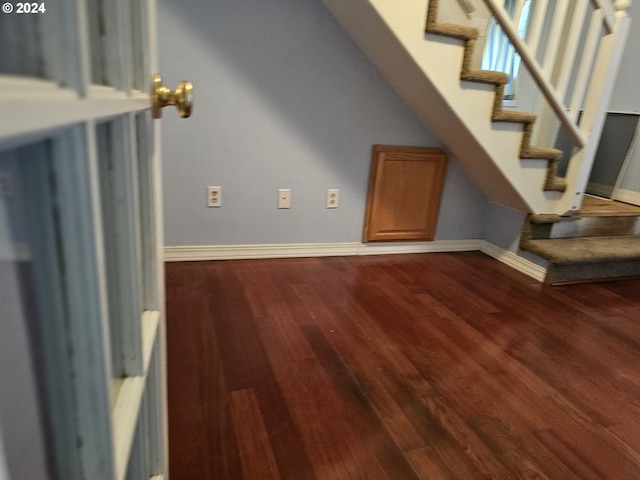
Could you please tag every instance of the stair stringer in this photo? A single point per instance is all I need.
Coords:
(424, 69)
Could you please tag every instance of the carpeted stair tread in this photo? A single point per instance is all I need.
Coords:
(454, 30)
(586, 249)
(514, 116)
(592, 207)
(556, 184)
(469, 35)
(541, 152)
(485, 76)
(553, 218)
(598, 206)
(606, 226)
(545, 218)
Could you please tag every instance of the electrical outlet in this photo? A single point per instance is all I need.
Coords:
(333, 198)
(284, 198)
(214, 196)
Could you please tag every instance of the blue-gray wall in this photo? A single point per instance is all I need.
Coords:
(284, 99)
(626, 94)
(4, 473)
(502, 227)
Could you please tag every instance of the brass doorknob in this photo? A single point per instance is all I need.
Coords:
(161, 96)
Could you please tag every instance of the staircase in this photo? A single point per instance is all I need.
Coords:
(430, 63)
(601, 242)
(498, 80)
(431, 69)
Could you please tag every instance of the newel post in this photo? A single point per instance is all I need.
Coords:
(621, 7)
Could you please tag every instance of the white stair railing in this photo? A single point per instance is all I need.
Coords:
(586, 70)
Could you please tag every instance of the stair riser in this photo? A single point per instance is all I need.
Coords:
(580, 272)
(587, 227)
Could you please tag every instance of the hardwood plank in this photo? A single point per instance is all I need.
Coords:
(202, 441)
(535, 399)
(484, 402)
(398, 306)
(468, 440)
(595, 206)
(438, 366)
(258, 461)
(328, 431)
(581, 357)
(516, 452)
(386, 452)
(378, 369)
(422, 461)
(436, 429)
(573, 457)
(245, 362)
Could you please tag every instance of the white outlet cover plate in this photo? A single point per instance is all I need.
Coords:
(333, 198)
(284, 198)
(214, 196)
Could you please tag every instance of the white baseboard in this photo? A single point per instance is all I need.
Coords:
(419, 247)
(515, 261)
(622, 195)
(628, 196)
(237, 252)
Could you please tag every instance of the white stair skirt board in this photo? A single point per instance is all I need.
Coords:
(515, 261)
(297, 250)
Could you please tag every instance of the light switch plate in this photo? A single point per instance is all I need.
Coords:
(284, 198)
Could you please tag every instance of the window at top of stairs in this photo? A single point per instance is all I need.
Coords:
(499, 54)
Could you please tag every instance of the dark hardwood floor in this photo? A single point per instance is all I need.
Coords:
(436, 366)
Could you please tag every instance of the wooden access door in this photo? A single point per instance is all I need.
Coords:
(405, 188)
(80, 241)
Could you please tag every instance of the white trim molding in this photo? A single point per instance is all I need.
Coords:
(515, 261)
(237, 252)
(297, 250)
(293, 250)
(628, 196)
(621, 195)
